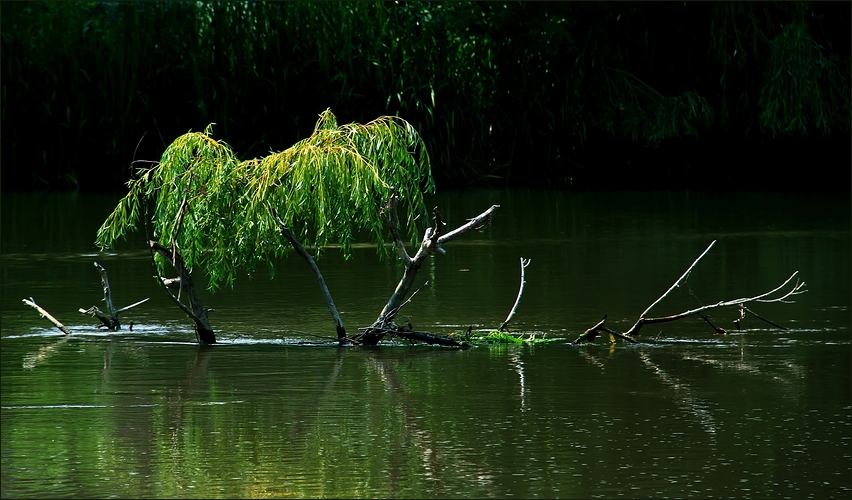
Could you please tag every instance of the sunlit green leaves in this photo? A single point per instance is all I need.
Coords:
(225, 215)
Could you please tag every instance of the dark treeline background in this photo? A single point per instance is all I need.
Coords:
(587, 95)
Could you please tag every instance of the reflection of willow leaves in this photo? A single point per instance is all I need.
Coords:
(223, 214)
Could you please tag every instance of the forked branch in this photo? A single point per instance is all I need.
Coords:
(433, 239)
(108, 320)
(796, 289)
(781, 293)
(679, 281)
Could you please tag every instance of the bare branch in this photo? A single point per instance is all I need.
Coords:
(762, 318)
(197, 312)
(590, 334)
(44, 314)
(395, 311)
(119, 311)
(678, 282)
(797, 289)
(770, 296)
(429, 338)
(107, 294)
(524, 264)
(433, 238)
(475, 223)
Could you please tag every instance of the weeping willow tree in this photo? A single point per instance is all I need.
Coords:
(216, 213)
(804, 88)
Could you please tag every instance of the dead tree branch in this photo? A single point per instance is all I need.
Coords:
(429, 338)
(590, 334)
(742, 316)
(44, 314)
(678, 282)
(796, 289)
(524, 264)
(720, 331)
(110, 321)
(777, 294)
(389, 214)
(433, 240)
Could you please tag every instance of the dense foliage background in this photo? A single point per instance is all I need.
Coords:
(554, 94)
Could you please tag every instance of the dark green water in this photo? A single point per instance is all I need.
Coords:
(763, 413)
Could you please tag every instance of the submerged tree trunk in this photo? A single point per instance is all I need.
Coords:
(196, 311)
(433, 239)
(429, 338)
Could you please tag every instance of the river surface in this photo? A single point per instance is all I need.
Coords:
(274, 410)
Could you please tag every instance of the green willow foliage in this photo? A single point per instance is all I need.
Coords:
(511, 92)
(223, 214)
(794, 97)
(797, 85)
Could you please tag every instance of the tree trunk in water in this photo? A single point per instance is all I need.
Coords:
(196, 311)
(433, 239)
(297, 245)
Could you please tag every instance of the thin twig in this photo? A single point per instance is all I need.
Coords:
(677, 283)
(475, 223)
(119, 311)
(796, 290)
(524, 264)
(764, 319)
(393, 313)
